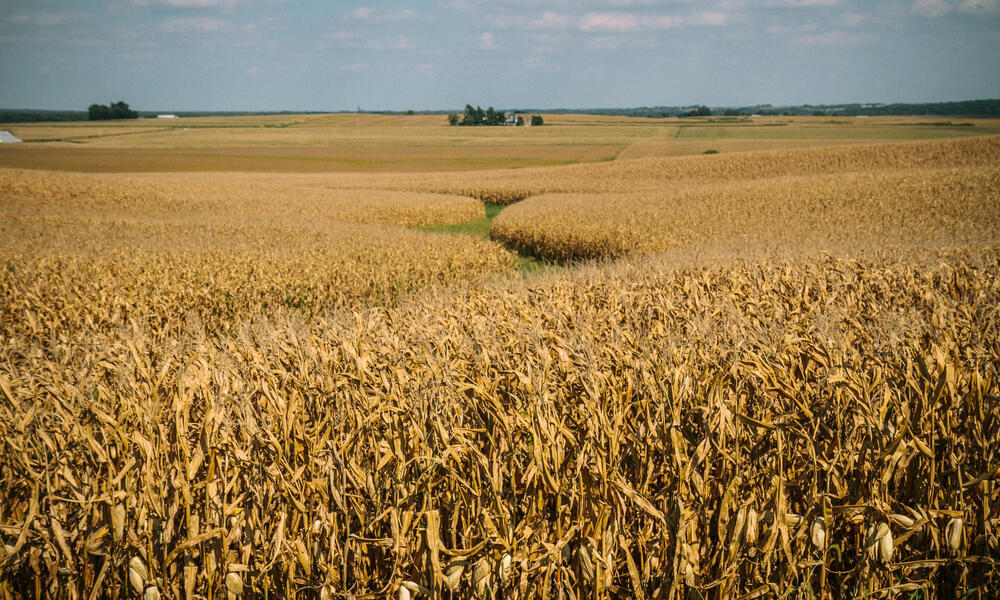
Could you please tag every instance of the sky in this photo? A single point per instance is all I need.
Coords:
(182, 55)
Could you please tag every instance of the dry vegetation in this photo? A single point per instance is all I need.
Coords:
(639, 430)
(83, 249)
(226, 386)
(904, 207)
(660, 174)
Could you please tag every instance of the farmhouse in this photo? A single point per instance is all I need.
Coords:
(166, 116)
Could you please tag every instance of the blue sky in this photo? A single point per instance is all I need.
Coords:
(312, 55)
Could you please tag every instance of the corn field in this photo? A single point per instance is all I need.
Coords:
(237, 395)
(893, 207)
(827, 425)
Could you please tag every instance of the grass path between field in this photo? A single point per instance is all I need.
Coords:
(481, 228)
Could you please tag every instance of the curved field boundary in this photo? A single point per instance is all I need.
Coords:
(921, 206)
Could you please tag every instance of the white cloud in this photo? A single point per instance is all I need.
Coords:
(463, 5)
(853, 19)
(188, 3)
(486, 41)
(979, 6)
(354, 40)
(143, 56)
(45, 19)
(395, 43)
(802, 3)
(50, 19)
(708, 19)
(932, 8)
(195, 25)
(354, 67)
(624, 22)
(745, 4)
(380, 15)
(341, 36)
(609, 21)
(552, 20)
(830, 38)
(537, 63)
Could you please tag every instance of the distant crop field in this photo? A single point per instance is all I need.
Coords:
(421, 143)
(299, 357)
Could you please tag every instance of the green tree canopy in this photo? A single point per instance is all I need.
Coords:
(117, 110)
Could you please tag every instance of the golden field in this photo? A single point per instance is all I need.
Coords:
(424, 143)
(780, 380)
(902, 208)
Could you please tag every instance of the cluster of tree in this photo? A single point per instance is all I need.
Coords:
(475, 116)
(117, 110)
(701, 111)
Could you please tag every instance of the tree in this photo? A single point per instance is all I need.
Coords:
(495, 118)
(478, 116)
(117, 110)
(520, 121)
(98, 112)
(470, 116)
(453, 119)
(536, 120)
(701, 111)
(473, 116)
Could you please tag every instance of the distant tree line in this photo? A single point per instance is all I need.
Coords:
(8, 115)
(972, 108)
(966, 108)
(476, 116)
(117, 110)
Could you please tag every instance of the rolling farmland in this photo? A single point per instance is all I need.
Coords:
(768, 372)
